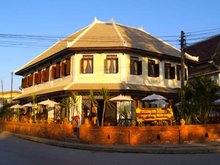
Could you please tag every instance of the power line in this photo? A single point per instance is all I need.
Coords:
(44, 41)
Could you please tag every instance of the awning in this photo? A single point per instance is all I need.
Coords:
(45, 91)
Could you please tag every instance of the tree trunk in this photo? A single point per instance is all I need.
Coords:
(103, 114)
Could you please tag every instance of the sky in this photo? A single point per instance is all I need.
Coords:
(60, 18)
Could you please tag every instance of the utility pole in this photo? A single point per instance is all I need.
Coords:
(182, 44)
(3, 102)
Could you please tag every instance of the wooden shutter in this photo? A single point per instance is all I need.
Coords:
(67, 66)
(116, 60)
(150, 63)
(167, 67)
(57, 74)
(47, 74)
(157, 70)
(35, 78)
(53, 72)
(30, 80)
(39, 77)
(63, 69)
(172, 72)
(81, 66)
(139, 68)
(43, 76)
(178, 72)
(23, 82)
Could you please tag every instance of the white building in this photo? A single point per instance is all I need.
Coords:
(122, 59)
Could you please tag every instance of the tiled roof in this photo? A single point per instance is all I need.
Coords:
(108, 35)
(205, 49)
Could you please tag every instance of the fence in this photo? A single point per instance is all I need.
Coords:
(51, 131)
(149, 134)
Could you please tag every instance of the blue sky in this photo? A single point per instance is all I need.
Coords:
(64, 17)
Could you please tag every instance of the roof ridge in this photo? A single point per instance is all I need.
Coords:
(118, 33)
(70, 44)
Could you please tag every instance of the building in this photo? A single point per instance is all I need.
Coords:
(208, 52)
(7, 96)
(122, 59)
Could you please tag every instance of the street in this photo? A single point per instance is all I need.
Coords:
(18, 151)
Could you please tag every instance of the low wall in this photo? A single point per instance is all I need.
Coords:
(149, 134)
(51, 131)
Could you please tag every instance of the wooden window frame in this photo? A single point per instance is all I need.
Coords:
(82, 68)
(135, 61)
(57, 72)
(169, 71)
(153, 69)
(110, 58)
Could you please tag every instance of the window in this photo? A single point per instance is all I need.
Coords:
(24, 82)
(30, 80)
(57, 72)
(135, 66)
(37, 77)
(53, 72)
(178, 72)
(153, 69)
(45, 74)
(111, 64)
(169, 71)
(46, 78)
(65, 67)
(86, 64)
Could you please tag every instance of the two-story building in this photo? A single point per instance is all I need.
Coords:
(208, 52)
(119, 58)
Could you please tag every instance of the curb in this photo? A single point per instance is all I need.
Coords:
(196, 148)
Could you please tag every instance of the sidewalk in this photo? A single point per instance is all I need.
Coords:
(194, 148)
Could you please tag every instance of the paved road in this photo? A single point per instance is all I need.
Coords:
(16, 151)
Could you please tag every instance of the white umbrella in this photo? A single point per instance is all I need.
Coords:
(28, 105)
(48, 102)
(121, 98)
(16, 106)
(159, 103)
(153, 97)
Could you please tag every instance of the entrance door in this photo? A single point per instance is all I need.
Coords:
(100, 110)
(110, 113)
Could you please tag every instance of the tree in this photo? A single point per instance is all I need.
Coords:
(33, 99)
(65, 102)
(74, 100)
(200, 93)
(106, 101)
(107, 104)
(93, 110)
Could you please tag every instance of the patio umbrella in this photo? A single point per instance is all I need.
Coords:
(16, 106)
(153, 97)
(48, 102)
(159, 103)
(28, 105)
(121, 98)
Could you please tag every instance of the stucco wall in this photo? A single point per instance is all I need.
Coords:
(149, 134)
(51, 131)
